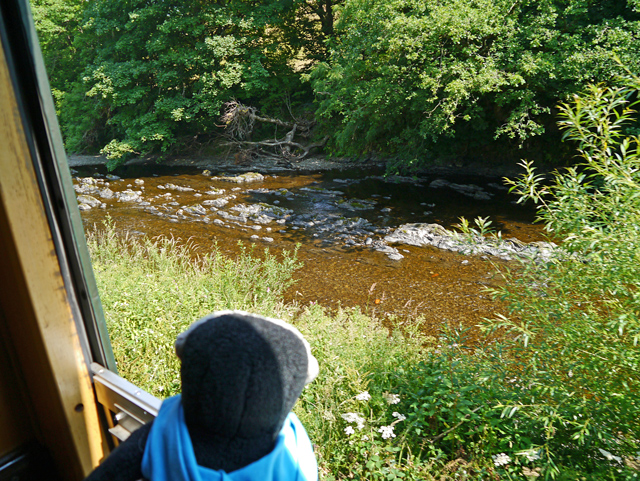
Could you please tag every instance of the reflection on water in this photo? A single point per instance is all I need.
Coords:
(339, 268)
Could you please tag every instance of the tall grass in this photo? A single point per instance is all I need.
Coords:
(151, 290)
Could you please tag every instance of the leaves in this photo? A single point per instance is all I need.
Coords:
(574, 322)
(404, 76)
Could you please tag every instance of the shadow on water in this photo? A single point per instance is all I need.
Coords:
(328, 211)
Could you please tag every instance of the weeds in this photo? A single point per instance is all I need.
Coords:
(151, 290)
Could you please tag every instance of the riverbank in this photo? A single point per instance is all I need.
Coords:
(227, 163)
(310, 164)
(390, 403)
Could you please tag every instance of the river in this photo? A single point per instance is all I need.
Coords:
(338, 217)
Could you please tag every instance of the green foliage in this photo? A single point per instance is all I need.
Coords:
(161, 71)
(353, 401)
(574, 321)
(152, 290)
(409, 77)
(386, 405)
(418, 80)
(57, 23)
(307, 29)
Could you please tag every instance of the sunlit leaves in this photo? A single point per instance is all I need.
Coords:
(575, 322)
(405, 75)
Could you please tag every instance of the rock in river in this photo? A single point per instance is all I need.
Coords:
(196, 209)
(179, 188)
(89, 201)
(129, 196)
(239, 179)
(437, 236)
(217, 203)
(106, 193)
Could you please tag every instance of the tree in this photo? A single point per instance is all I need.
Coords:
(413, 77)
(571, 338)
(162, 70)
(307, 29)
(58, 23)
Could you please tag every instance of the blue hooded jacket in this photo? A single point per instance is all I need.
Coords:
(169, 454)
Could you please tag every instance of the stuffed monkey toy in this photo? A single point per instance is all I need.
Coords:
(241, 375)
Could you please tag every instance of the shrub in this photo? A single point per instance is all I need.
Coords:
(573, 330)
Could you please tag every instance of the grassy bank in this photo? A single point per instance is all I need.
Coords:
(387, 405)
(151, 290)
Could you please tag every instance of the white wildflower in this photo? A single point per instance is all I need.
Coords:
(391, 398)
(354, 418)
(531, 454)
(387, 432)
(501, 459)
(365, 438)
(363, 396)
(401, 417)
(349, 430)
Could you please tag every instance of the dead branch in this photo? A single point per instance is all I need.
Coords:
(239, 122)
(284, 146)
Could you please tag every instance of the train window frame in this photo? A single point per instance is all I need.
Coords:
(126, 407)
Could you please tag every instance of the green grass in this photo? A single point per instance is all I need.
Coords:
(151, 290)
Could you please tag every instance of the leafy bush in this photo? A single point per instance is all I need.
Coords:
(575, 321)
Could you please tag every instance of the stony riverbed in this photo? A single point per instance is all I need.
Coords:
(384, 243)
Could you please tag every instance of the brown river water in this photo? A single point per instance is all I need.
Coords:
(442, 287)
